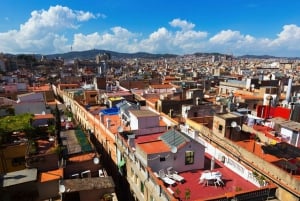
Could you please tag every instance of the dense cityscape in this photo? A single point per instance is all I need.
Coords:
(150, 100)
(103, 125)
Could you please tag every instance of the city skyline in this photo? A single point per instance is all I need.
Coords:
(176, 27)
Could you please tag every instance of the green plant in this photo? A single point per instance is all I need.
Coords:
(51, 130)
(255, 174)
(21, 122)
(107, 197)
(177, 192)
(260, 178)
(32, 147)
(187, 194)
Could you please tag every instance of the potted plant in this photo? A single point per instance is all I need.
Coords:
(107, 197)
(177, 193)
(187, 195)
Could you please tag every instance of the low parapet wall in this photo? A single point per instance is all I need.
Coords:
(275, 174)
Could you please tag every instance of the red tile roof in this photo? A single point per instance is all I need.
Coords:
(43, 116)
(51, 175)
(154, 147)
(82, 157)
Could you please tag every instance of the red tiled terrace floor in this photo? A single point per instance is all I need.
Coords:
(201, 192)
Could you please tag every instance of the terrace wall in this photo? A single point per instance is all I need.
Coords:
(288, 184)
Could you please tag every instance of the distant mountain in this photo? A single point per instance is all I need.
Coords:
(91, 54)
(258, 57)
(205, 54)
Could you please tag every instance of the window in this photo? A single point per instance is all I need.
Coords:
(162, 159)
(142, 168)
(142, 187)
(132, 173)
(195, 114)
(189, 157)
(18, 161)
(220, 128)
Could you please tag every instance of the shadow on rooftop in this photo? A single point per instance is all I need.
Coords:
(281, 150)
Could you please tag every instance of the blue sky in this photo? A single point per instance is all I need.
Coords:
(235, 27)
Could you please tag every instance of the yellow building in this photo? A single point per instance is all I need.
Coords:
(12, 157)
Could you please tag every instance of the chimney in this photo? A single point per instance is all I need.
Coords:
(289, 90)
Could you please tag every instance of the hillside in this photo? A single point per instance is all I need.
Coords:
(91, 54)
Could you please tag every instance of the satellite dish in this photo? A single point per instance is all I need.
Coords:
(233, 124)
(174, 149)
(238, 128)
(120, 129)
(218, 98)
(96, 160)
(62, 188)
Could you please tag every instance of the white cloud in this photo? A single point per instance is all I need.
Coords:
(118, 39)
(42, 33)
(45, 32)
(227, 36)
(183, 24)
(158, 41)
(233, 42)
(289, 37)
(84, 16)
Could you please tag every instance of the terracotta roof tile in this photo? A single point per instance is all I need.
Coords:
(154, 147)
(51, 175)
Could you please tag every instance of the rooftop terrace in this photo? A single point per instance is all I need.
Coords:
(233, 184)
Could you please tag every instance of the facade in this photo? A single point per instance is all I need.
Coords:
(133, 156)
(18, 185)
(12, 157)
(140, 164)
(227, 125)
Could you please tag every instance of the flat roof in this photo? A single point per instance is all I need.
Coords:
(18, 177)
(143, 113)
(228, 115)
(74, 185)
(154, 147)
(293, 125)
